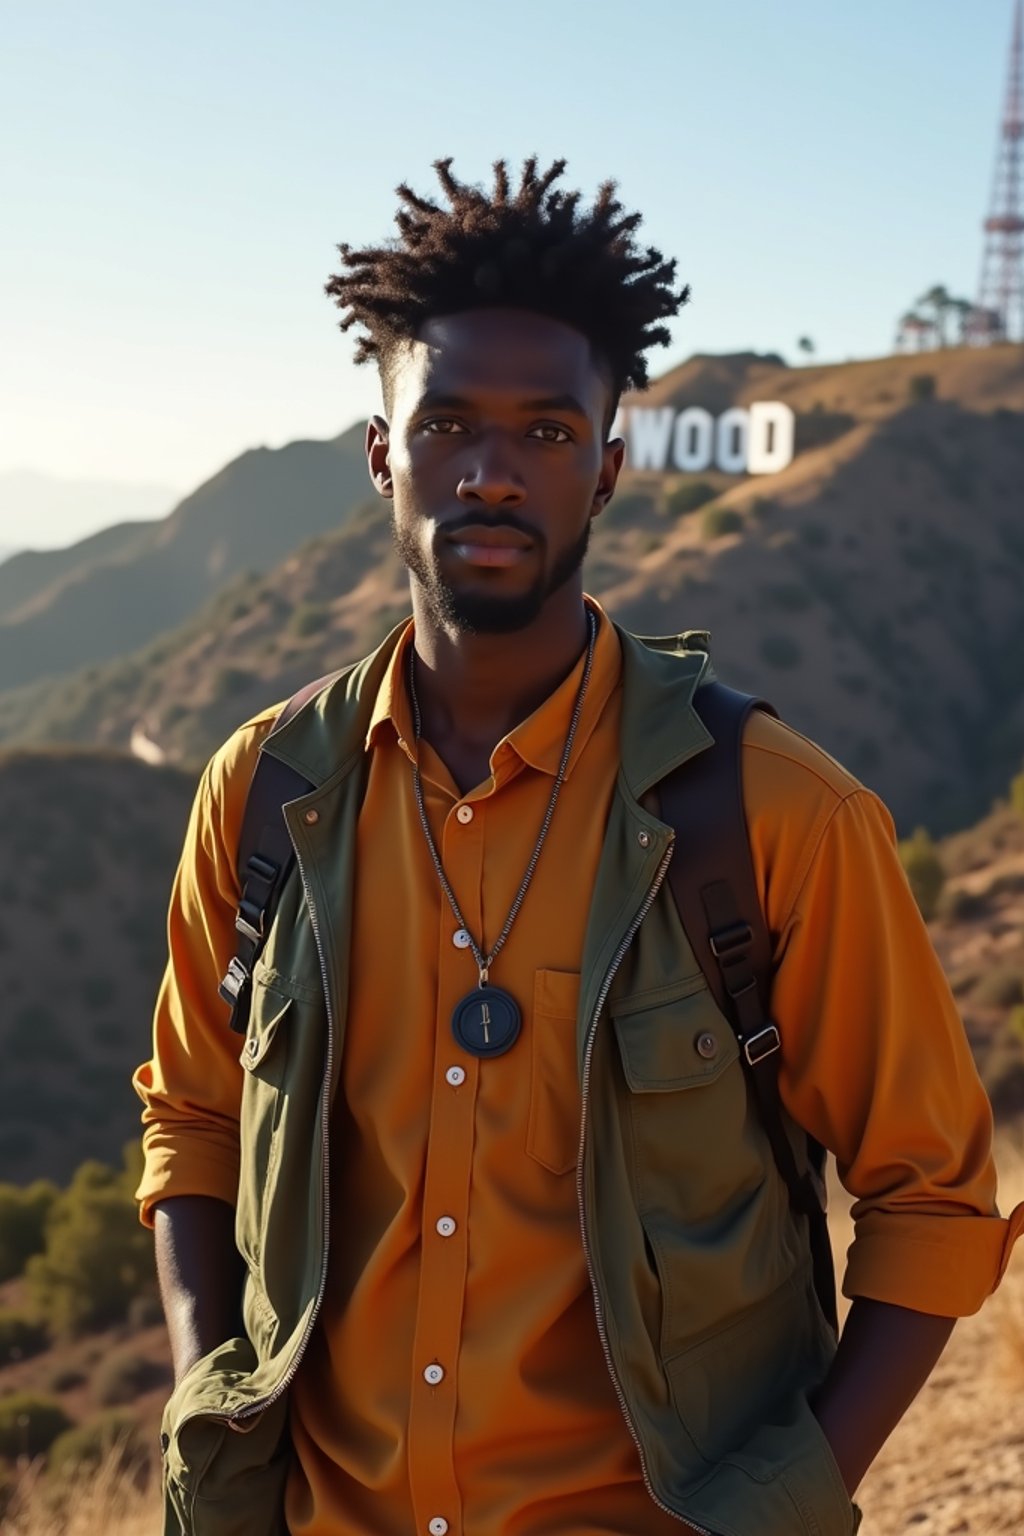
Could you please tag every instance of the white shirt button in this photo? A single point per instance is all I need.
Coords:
(465, 814)
(456, 1076)
(438, 1526)
(461, 938)
(445, 1225)
(434, 1375)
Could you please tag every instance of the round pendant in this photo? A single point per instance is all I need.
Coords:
(486, 1022)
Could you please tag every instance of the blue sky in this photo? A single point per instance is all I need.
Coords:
(175, 180)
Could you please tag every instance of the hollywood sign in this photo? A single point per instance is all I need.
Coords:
(756, 440)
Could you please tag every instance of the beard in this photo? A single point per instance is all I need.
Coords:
(477, 613)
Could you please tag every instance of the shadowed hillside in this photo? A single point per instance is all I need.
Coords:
(106, 597)
(90, 842)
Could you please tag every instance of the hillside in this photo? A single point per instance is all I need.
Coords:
(871, 589)
(111, 594)
(89, 842)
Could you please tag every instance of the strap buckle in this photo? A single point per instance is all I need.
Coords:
(236, 979)
(727, 941)
(764, 1043)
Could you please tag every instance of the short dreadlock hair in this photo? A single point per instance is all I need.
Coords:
(529, 249)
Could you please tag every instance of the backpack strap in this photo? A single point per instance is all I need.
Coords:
(711, 877)
(265, 857)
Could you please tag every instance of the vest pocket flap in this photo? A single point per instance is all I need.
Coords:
(269, 1010)
(674, 1042)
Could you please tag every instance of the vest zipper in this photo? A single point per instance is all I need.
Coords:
(598, 1308)
(263, 1403)
(235, 1421)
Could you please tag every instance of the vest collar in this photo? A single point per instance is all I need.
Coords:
(660, 727)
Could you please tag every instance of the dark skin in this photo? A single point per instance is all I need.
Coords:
(496, 458)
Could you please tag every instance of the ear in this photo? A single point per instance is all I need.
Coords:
(377, 456)
(612, 455)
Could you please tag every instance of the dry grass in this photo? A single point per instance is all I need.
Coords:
(108, 1500)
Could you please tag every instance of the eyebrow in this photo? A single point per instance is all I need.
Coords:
(563, 403)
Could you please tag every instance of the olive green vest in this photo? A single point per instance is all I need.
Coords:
(701, 1277)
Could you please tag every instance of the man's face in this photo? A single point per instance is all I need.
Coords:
(497, 462)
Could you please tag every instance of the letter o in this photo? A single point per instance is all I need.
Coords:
(731, 436)
(692, 439)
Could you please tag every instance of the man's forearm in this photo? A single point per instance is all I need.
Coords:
(200, 1272)
(886, 1354)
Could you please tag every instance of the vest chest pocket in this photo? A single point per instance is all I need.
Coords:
(669, 1042)
(686, 1105)
(263, 1056)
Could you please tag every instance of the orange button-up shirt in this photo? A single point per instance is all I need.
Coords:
(456, 1380)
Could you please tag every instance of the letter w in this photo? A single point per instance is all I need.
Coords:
(649, 435)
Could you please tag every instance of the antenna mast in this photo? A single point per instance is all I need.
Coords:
(999, 313)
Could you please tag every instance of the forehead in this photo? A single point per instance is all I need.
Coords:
(498, 354)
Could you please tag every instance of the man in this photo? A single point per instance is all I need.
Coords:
(517, 1257)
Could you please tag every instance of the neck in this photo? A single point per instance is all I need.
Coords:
(474, 689)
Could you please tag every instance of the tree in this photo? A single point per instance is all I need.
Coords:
(806, 346)
(940, 301)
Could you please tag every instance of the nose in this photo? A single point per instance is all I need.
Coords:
(492, 480)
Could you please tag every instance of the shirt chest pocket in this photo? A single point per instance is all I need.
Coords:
(553, 1126)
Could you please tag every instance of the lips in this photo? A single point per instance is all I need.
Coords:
(490, 544)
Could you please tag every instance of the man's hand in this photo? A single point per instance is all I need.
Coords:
(200, 1272)
(885, 1356)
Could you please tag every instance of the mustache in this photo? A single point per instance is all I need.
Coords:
(481, 520)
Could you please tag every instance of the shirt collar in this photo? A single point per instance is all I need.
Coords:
(539, 740)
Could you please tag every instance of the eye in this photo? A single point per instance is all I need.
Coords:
(549, 432)
(443, 426)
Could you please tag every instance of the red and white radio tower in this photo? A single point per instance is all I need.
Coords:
(999, 313)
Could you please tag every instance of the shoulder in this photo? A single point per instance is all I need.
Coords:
(798, 801)
(778, 756)
(233, 762)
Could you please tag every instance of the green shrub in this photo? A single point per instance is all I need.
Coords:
(1017, 795)
(97, 1256)
(999, 988)
(718, 521)
(29, 1424)
(229, 681)
(23, 1214)
(21, 1336)
(622, 510)
(780, 651)
(124, 1376)
(924, 871)
(1015, 1023)
(688, 497)
(922, 386)
(309, 619)
(92, 1443)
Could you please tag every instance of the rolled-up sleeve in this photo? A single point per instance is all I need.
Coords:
(191, 1086)
(875, 1063)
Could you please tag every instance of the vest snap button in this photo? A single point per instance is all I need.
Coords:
(707, 1045)
(644, 839)
(311, 817)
